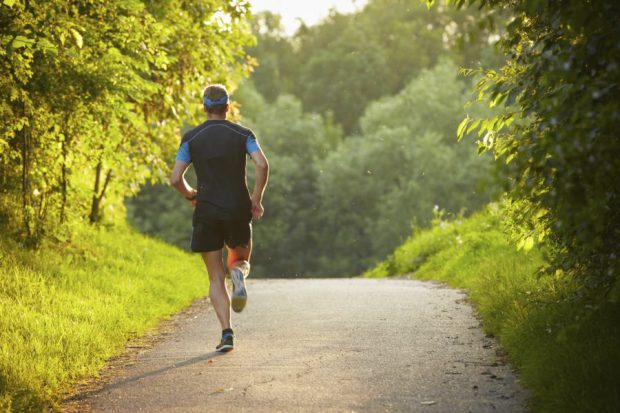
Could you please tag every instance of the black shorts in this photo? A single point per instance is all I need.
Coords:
(210, 233)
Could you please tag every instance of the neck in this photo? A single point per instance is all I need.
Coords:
(214, 116)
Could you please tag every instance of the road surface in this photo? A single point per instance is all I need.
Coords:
(322, 345)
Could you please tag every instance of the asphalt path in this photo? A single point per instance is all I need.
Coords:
(321, 345)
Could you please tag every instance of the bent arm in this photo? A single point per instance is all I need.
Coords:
(262, 176)
(177, 179)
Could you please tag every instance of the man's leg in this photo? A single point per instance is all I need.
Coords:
(214, 260)
(240, 257)
(239, 269)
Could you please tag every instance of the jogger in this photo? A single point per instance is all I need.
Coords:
(223, 207)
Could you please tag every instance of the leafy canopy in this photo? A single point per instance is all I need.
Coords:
(93, 95)
(558, 132)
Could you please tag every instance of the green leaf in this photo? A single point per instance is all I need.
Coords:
(528, 243)
(78, 38)
(9, 3)
(461, 129)
(473, 126)
(498, 99)
(46, 45)
(21, 41)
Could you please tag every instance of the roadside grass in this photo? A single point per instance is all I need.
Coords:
(566, 349)
(65, 309)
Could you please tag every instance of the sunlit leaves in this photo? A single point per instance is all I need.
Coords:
(84, 90)
(21, 41)
(78, 38)
(526, 243)
(558, 134)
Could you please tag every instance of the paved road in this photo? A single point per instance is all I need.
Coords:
(339, 345)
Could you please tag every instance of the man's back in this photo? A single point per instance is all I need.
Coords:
(218, 150)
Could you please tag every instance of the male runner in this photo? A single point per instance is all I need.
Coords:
(223, 207)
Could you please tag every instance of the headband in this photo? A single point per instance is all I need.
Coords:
(221, 101)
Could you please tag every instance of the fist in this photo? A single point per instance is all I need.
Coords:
(257, 210)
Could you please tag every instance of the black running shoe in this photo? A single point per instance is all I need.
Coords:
(240, 294)
(226, 344)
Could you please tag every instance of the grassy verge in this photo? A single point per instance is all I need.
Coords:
(567, 350)
(65, 309)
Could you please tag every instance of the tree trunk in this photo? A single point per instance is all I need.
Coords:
(26, 182)
(94, 208)
(95, 215)
(63, 181)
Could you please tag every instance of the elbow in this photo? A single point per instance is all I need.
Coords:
(263, 165)
(175, 180)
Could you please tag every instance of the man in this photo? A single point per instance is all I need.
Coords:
(223, 207)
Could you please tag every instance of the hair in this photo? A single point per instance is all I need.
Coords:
(215, 92)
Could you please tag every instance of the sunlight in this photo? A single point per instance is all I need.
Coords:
(310, 12)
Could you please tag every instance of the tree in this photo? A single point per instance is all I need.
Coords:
(558, 134)
(349, 60)
(374, 187)
(93, 96)
(276, 72)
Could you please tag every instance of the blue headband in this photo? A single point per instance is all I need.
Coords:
(221, 101)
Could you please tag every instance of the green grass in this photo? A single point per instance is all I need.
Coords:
(567, 350)
(65, 309)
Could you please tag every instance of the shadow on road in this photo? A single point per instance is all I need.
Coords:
(90, 393)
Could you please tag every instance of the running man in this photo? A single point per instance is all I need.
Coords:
(223, 207)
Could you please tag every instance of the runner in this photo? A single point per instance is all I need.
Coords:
(223, 207)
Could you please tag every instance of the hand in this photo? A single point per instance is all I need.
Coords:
(257, 209)
(192, 198)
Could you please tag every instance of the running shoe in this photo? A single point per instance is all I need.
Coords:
(240, 294)
(226, 344)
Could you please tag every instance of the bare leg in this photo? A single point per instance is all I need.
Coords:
(239, 269)
(214, 260)
(240, 257)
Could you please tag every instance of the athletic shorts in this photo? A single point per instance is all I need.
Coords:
(210, 234)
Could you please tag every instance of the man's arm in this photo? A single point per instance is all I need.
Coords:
(177, 179)
(262, 176)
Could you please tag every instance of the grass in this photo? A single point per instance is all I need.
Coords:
(566, 349)
(65, 309)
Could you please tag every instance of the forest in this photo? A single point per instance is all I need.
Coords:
(359, 123)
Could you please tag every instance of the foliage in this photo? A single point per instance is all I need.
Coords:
(335, 206)
(67, 308)
(566, 351)
(158, 211)
(558, 134)
(392, 64)
(92, 98)
(374, 187)
(349, 60)
(276, 71)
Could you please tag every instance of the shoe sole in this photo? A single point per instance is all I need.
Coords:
(225, 348)
(239, 295)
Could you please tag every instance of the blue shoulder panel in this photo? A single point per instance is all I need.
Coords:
(251, 145)
(183, 154)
